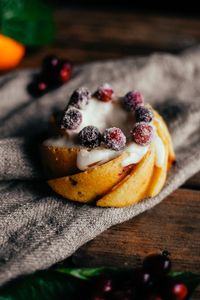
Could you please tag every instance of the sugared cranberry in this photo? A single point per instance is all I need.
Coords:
(63, 71)
(132, 100)
(72, 118)
(142, 133)
(114, 138)
(157, 264)
(171, 289)
(89, 137)
(143, 114)
(104, 93)
(38, 87)
(80, 98)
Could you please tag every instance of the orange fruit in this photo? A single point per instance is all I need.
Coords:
(11, 52)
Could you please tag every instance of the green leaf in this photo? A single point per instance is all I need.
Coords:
(87, 273)
(64, 283)
(46, 285)
(27, 21)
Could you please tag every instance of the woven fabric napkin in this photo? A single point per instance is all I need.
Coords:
(38, 228)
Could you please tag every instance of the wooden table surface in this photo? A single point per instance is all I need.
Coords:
(88, 35)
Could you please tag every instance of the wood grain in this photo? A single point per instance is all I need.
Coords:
(87, 35)
(173, 225)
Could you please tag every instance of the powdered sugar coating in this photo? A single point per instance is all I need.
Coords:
(80, 98)
(71, 119)
(114, 138)
(89, 137)
(142, 133)
(132, 100)
(104, 93)
(143, 114)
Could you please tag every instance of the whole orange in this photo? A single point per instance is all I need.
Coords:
(11, 52)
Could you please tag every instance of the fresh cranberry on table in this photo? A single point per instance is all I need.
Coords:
(38, 86)
(157, 264)
(172, 289)
(54, 72)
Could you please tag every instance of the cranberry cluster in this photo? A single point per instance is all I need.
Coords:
(151, 282)
(142, 132)
(54, 72)
(112, 138)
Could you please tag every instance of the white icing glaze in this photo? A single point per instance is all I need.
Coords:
(88, 158)
(135, 154)
(160, 151)
(104, 115)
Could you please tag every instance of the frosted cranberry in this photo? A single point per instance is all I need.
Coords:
(143, 114)
(132, 100)
(104, 93)
(89, 137)
(80, 98)
(142, 133)
(157, 264)
(114, 138)
(72, 118)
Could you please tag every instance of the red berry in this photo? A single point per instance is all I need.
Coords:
(157, 264)
(132, 100)
(142, 133)
(89, 137)
(171, 289)
(104, 93)
(80, 98)
(72, 118)
(38, 87)
(63, 72)
(114, 138)
(180, 291)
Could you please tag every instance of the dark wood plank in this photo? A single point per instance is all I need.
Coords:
(173, 225)
(87, 35)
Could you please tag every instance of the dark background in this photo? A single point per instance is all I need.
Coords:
(172, 7)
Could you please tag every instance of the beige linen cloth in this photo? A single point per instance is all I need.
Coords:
(38, 228)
